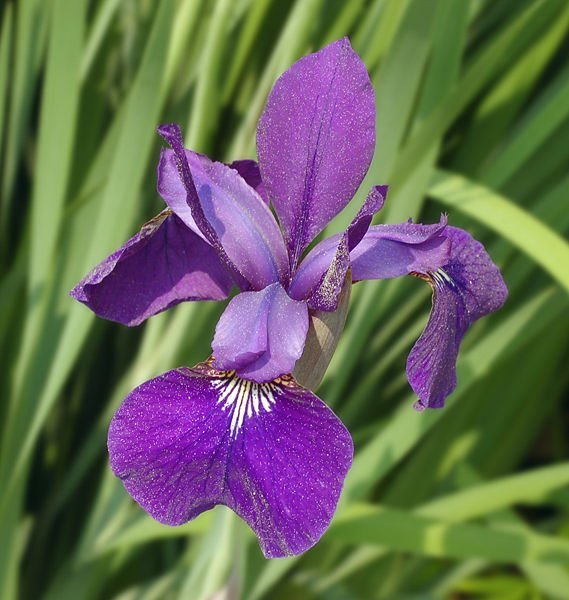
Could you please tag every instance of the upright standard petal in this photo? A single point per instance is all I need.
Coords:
(162, 265)
(261, 334)
(241, 220)
(315, 140)
(466, 288)
(274, 453)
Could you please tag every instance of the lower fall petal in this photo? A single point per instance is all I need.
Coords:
(162, 265)
(261, 334)
(274, 453)
(465, 289)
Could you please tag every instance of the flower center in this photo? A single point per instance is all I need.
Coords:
(244, 398)
(436, 279)
(441, 278)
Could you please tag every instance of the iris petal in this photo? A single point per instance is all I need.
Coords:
(249, 170)
(360, 223)
(325, 296)
(240, 221)
(468, 287)
(328, 261)
(274, 453)
(393, 250)
(315, 140)
(162, 265)
(261, 334)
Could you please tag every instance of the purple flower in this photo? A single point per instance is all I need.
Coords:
(238, 429)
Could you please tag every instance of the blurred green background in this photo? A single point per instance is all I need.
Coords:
(473, 119)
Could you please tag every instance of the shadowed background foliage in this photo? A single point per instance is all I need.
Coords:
(473, 119)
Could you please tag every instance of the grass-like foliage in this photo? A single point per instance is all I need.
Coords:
(473, 120)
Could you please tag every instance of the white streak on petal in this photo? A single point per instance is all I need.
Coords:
(244, 398)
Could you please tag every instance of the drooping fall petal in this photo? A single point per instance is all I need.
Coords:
(162, 265)
(466, 286)
(274, 453)
(465, 289)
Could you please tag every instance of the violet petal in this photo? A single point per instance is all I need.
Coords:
(274, 453)
(393, 250)
(249, 170)
(172, 133)
(325, 296)
(261, 334)
(315, 140)
(328, 254)
(241, 221)
(468, 287)
(360, 223)
(162, 265)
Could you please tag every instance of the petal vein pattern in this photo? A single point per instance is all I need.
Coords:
(194, 438)
(315, 141)
(468, 287)
(244, 397)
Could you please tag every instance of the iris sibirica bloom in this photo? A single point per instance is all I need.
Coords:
(238, 429)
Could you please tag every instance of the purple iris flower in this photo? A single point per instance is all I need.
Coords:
(238, 429)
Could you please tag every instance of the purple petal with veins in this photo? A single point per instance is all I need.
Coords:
(162, 265)
(274, 453)
(465, 289)
(315, 141)
(394, 250)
